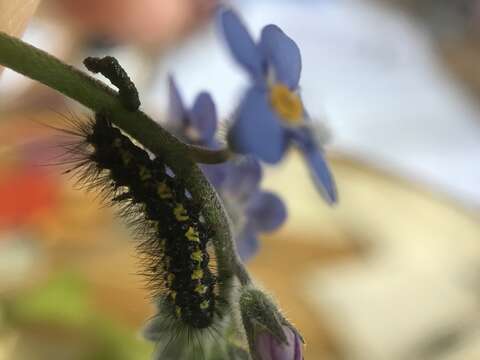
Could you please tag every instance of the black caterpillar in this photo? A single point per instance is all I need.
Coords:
(173, 236)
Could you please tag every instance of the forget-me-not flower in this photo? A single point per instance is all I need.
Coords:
(271, 115)
(251, 209)
(196, 125)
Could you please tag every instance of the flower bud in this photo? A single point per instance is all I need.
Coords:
(270, 336)
(268, 348)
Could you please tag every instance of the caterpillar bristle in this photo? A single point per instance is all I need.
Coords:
(173, 239)
(190, 340)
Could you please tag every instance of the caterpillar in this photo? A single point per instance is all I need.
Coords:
(173, 238)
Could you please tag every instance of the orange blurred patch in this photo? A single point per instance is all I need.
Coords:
(25, 194)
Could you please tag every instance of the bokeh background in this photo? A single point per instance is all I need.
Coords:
(391, 273)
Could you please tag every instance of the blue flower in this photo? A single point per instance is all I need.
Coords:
(252, 210)
(271, 115)
(198, 125)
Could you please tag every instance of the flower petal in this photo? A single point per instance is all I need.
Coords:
(203, 117)
(268, 348)
(305, 139)
(247, 243)
(243, 177)
(266, 211)
(177, 114)
(241, 43)
(298, 355)
(216, 174)
(322, 176)
(256, 129)
(283, 53)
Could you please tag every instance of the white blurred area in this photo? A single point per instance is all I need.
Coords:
(372, 74)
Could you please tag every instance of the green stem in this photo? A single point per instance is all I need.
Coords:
(241, 272)
(207, 156)
(38, 65)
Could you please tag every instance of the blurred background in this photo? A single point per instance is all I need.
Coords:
(391, 273)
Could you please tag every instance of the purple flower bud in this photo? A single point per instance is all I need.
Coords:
(268, 348)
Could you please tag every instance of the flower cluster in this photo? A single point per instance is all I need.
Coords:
(251, 209)
(270, 119)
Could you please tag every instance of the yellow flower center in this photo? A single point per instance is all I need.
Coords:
(286, 104)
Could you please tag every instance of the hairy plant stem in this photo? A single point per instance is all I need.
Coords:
(241, 272)
(208, 156)
(40, 66)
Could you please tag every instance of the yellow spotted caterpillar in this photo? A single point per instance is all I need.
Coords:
(173, 238)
